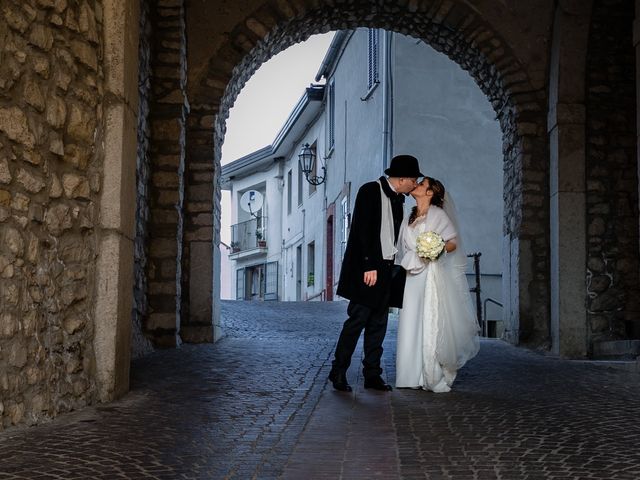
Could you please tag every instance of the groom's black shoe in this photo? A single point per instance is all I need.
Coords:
(377, 383)
(339, 381)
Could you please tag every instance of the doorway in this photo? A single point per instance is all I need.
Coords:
(255, 279)
(329, 265)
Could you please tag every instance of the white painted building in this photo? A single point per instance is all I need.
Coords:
(384, 94)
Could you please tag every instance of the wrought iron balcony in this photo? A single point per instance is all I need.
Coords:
(249, 236)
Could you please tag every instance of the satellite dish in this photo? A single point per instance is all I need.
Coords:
(251, 201)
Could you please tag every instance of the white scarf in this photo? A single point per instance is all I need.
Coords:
(387, 236)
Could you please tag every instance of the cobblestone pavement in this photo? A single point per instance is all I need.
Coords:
(256, 405)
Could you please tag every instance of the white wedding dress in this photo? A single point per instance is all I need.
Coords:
(437, 328)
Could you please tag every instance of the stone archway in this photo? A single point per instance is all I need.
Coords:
(612, 267)
(468, 40)
(70, 232)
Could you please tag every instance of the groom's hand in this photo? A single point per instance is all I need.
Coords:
(370, 278)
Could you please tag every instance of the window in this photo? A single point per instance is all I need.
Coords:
(300, 180)
(289, 191)
(257, 282)
(344, 206)
(331, 121)
(240, 284)
(299, 272)
(311, 264)
(345, 220)
(373, 54)
(271, 283)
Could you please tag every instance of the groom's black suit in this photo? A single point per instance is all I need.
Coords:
(368, 307)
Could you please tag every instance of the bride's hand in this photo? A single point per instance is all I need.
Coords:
(450, 246)
(370, 278)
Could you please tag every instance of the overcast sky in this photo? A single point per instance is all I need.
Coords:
(266, 101)
(269, 96)
(260, 110)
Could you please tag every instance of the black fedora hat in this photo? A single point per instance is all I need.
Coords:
(404, 166)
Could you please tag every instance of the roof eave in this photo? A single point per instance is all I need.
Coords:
(248, 163)
(333, 53)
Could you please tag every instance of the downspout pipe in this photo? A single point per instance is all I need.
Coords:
(387, 99)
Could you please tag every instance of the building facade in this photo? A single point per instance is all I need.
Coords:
(383, 94)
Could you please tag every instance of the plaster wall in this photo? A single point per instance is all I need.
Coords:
(305, 222)
(357, 155)
(443, 118)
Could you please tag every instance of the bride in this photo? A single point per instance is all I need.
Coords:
(437, 329)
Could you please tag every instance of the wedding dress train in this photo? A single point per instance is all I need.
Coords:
(437, 329)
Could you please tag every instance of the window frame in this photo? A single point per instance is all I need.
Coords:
(300, 184)
(346, 219)
(311, 263)
(373, 58)
(289, 191)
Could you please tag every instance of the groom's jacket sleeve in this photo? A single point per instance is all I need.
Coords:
(366, 226)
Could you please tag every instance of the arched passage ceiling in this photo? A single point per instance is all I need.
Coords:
(222, 32)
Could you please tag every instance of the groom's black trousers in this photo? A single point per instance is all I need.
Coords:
(374, 323)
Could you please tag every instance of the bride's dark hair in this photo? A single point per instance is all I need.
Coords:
(438, 190)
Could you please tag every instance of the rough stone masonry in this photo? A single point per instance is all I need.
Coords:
(50, 162)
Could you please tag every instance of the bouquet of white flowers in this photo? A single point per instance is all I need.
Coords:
(429, 245)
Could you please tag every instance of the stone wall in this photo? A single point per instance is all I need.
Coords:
(50, 117)
(173, 292)
(612, 187)
(197, 280)
(140, 344)
(168, 117)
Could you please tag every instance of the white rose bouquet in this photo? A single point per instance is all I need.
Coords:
(429, 245)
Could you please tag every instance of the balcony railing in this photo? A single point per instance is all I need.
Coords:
(249, 235)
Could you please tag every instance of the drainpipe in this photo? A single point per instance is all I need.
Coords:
(283, 272)
(387, 99)
(346, 144)
(303, 265)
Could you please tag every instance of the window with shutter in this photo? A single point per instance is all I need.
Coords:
(240, 284)
(271, 283)
(345, 223)
(373, 53)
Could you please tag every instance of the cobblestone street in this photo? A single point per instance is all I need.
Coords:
(257, 405)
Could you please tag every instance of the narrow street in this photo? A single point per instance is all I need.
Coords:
(257, 405)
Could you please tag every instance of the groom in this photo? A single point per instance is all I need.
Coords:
(368, 277)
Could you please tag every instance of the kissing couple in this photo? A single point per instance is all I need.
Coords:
(415, 263)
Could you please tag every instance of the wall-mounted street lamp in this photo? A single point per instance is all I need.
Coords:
(307, 158)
